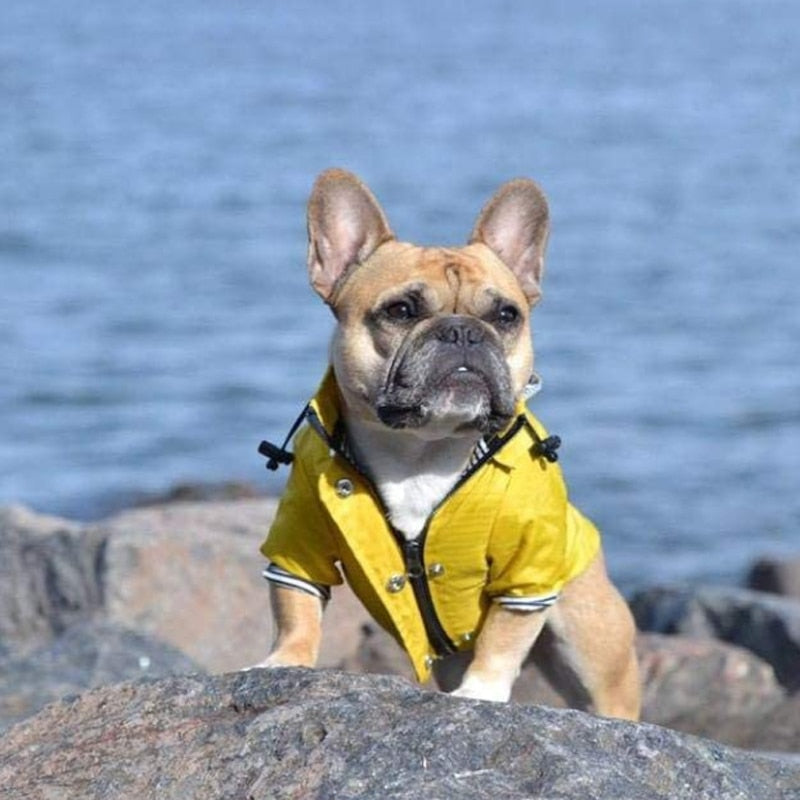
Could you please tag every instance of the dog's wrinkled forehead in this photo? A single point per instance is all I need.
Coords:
(465, 280)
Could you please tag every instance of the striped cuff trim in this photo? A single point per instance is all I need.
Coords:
(275, 574)
(539, 603)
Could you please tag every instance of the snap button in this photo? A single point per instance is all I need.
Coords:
(436, 570)
(429, 661)
(344, 487)
(395, 583)
(466, 638)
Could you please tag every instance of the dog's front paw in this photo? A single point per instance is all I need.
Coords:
(294, 656)
(267, 663)
(476, 689)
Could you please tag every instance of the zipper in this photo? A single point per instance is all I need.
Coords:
(412, 550)
(417, 577)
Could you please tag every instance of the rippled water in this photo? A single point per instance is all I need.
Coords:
(156, 158)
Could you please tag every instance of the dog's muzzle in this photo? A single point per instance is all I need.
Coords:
(456, 360)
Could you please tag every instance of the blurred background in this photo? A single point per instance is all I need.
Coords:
(155, 161)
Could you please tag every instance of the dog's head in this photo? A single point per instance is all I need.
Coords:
(432, 340)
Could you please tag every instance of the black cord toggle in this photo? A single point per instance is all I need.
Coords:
(275, 455)
(280, 455)
(547, 448)
(542, 448)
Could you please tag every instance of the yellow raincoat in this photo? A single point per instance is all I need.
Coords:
(505, 534)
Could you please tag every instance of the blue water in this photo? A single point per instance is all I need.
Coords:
(155, 160)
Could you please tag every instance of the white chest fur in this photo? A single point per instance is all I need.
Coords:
(411, 501)
(411, 475)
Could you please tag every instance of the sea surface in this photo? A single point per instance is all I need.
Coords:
(155, 161)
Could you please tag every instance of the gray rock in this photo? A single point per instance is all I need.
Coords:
(87, 655)
(316, 734)
(48, 577)
(767, 625)
(186, 573)
(718, 690)
(190, 574)
(776, 575)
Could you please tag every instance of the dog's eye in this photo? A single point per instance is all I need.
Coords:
(507, 315)
(400, 311)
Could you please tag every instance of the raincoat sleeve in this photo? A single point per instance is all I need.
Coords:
(551, 547)
(300, 541)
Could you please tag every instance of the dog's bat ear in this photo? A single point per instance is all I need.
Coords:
(345, 225)
(515, 224)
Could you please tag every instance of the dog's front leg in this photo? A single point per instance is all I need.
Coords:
(298, 623)
(501, 647)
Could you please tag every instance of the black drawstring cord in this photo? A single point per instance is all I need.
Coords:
(542, 448)
(280, 455)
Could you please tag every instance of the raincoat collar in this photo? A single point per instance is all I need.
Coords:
(323, 413)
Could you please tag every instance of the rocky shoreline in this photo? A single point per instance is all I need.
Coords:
(171, 589)
(324, 734)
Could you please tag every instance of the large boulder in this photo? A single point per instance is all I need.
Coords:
(190, 574)
(767, 625)
(49, 577)
(714, 689)
(187, 575)
(316, 734)
(86, 655)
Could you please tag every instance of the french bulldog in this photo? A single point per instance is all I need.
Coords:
(419, 451)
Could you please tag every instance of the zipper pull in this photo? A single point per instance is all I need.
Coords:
(412, 552)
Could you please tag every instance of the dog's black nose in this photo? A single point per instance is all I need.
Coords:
(460, 331)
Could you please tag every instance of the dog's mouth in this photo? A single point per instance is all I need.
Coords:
(465, 373)
(464, 396)
(465, 380)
